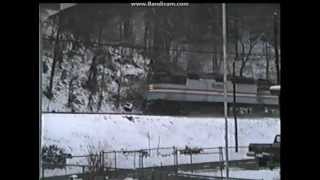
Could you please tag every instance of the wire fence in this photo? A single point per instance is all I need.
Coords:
(173, 156)
(161, 157)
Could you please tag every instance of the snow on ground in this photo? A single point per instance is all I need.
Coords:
(115, 132)
(76, 133)
(265, 174)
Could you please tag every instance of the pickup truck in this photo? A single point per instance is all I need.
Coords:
(266, 151)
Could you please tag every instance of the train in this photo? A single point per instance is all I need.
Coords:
(202, 94)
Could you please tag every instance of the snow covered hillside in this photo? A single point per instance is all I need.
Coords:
(83, 77)
(75, 90)
(97, 58)
(75, 132)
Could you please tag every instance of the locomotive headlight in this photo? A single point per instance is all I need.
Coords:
(150, 87)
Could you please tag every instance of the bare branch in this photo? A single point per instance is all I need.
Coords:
(242, 50)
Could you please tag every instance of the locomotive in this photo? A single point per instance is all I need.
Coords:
(202, 94)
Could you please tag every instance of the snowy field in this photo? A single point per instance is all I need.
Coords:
(265, 174)
(78, 133)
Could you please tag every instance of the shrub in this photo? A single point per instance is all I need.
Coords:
(53, 157)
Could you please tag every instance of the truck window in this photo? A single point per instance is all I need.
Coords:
(277, 139)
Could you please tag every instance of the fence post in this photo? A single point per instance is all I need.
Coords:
(190, 157)
(42, 171)
(102, 160)
(152, 175)
(142, 160)
(115, 160)
(175, 153)
(221, 160)
(161, 174)
(174, 156)
(139, 160)
(99, 161)
(141, 171)
(177, 157)
(134, 160)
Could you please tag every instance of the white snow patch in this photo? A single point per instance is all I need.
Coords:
(265, 174)
(120, 133)
(77, 132)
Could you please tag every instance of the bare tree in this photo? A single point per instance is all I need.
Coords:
(71, 96)
(57, 55)
(119, 82)
(246, 51)
(103, 81)
(95, 163)
(276, 46)
(92, 81)
(266, 53)
(147, 39)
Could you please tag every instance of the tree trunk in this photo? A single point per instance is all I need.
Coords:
(118, 96)
(276, 49)
(102, 86)
(100, 101)
(92, 81)
(146, 29)
(50, 94)
(177, 55)
(90, 102)
(214, 59)
(126, 29)
(55, 59)
(92, 78)
(241, 69)
(100, 34)
(70, 95)
(242, 59)
(119, 92)
(154, 50)
(120, 31)
(267, 60)
(243, 65)
(245, 59)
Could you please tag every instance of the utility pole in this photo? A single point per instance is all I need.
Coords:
(234, 108)
(275, 15)
(234, 88)
(224, 43)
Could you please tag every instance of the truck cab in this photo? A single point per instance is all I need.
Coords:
(264, 151)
